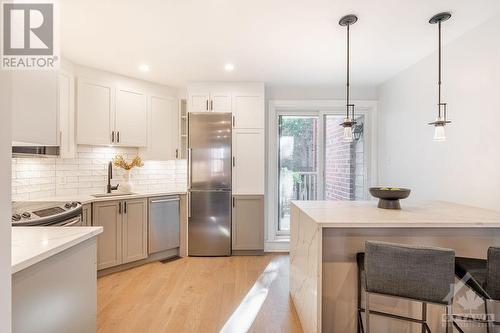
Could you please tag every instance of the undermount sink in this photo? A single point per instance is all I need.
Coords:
(116, 194)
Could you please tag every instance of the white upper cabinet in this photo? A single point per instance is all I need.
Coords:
(220, 100)
(248, 108)
(95, 110)
(199, 100)
(66, 94)
(130, 118)
(163, 124)
(209, 98)
(248, 162)
(107, 114)
(35, 108)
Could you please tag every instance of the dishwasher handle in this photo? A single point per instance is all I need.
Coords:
(164, 200)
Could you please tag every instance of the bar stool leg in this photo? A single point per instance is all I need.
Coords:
(424, 317)
(359, 313)
(449, 320)
(367, 312)
(487, 315)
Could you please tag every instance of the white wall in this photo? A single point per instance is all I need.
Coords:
(5, 210)
(465, 168)
(131, 83)
(320, 92)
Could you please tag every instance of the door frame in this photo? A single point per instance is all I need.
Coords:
(278, 240)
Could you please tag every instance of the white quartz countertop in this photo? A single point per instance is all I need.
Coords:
(31, 245)
(87, 198)
(362, 214)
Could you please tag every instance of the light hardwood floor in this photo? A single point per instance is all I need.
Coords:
(193, 295)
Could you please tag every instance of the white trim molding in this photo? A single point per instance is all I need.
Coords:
(282, 245)
(278, 241)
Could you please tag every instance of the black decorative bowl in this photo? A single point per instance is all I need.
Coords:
(389, 196)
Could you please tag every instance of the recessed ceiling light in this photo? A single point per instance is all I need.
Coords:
(144, 68)
(229, 67)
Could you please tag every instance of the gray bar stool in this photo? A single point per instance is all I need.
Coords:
(421, 274)
(483, 277)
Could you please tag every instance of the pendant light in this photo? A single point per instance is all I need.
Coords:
(441, 121)
(349, 120)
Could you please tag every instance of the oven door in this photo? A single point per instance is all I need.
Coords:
(74, 222)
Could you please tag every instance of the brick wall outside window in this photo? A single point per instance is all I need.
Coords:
(344, 164)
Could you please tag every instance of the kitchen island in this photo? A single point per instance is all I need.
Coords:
(54, 279)
(326, 235)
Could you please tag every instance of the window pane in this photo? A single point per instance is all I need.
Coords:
(298, 163)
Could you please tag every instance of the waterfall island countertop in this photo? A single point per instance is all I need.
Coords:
(325, 237)
(31, 245)
(363, 214)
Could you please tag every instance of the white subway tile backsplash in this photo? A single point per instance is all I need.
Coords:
(34, 178)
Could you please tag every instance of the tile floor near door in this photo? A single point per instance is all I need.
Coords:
(199, 295)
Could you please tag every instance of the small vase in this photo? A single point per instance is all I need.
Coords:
(126, 185)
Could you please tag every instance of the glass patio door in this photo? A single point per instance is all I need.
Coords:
(297, 163)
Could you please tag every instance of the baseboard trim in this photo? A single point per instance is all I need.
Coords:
(277, 246)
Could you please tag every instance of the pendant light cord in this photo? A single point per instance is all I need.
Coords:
(439, 75)
(347, 87)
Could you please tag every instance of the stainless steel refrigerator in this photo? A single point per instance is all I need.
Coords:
(209, 184)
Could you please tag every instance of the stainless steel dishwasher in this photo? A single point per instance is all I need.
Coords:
(164, 223)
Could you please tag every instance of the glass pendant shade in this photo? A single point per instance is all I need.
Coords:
(439, 134)
(348, 134)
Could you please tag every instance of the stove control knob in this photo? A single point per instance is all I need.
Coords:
(74, 204)
(16, 217)
(67, 205)
(26, 215)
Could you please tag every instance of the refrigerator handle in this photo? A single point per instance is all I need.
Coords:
(189, 204)
(189, 167)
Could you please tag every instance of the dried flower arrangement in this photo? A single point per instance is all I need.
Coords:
(120, 162)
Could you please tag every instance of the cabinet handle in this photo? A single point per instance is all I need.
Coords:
(233, 201)
(125, 207)
(212, 105)
(112, 136)
(120, 208)
(207, 104)
(234, 161)
(177, 153)
(234, 121)
(118, 136)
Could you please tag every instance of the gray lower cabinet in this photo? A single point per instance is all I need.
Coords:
(87, 215)
(135, 230)
(124, 238)
(248, 223)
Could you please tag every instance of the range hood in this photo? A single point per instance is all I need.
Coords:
(28, 150)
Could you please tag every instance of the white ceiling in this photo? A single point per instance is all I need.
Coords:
(287, 42)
